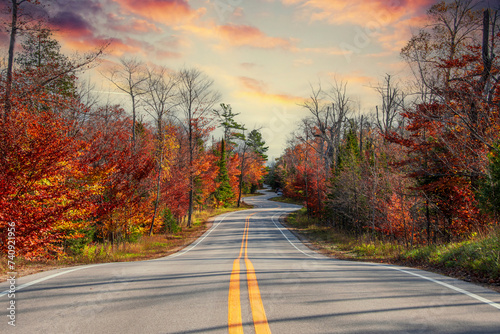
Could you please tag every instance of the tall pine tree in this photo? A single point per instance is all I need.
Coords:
(223, 194)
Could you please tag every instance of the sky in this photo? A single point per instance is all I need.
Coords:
(263, 55)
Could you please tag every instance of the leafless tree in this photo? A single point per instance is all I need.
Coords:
(393, 100)
(129, 77)
(159, 100)
(329, 111)
(15, 25)
(196, 99)
(453, 26)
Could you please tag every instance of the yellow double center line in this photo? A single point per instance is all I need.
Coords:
(234, 310)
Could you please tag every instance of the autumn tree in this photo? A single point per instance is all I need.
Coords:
(451, 132)
(39, 180)
(120, 171)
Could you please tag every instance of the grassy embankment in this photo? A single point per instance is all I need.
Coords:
(145, 248)
(476, 260)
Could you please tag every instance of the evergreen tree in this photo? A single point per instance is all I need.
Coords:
(230, 126)
(257, 143)
(490, 192)
(223, 194)
(41, 56)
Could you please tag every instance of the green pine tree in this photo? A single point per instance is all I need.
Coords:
(41, 55)
(490, 191)
(223, 194)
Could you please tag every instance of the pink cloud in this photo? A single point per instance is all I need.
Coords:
(259, 89)
(244, 35)
(239, 36)
(358, 11)
(167, 12)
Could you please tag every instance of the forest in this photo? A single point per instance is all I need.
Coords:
(423, 167)
(75, 170)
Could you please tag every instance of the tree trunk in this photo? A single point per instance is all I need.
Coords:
(10, 65)
(133, 118)
(158, 182)
(191, 178)
(241, 177)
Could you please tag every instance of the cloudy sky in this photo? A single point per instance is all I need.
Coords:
(262, 54)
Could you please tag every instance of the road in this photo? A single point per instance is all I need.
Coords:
(248, 274)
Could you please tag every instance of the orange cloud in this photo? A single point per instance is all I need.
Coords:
(238, 35)
(258, 89)
(117, 47)
(162, 54)
(359, 12)
(167, 12)
(244, 35)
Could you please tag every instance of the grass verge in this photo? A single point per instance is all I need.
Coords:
(476, 260)
(286, 200)
(146, 248)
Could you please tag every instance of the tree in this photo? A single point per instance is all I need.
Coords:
(392, 103)
(490, 190)
(129, 77)
(41, 54)
(159, 100)
(15, 26)
(453, 26)
(253, 157)
(120, 171)
(223, 194)
(196, 97)
(42, 180)
(329, 111)
(230, 127)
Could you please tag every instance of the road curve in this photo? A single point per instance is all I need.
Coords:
(248, 274)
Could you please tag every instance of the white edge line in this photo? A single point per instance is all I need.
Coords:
(291, 243)
(449, 286)
(25, 285)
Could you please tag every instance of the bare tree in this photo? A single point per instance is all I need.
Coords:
(329, 112)
(453, 26)
(14, 27)
(393, 99)
(129, 77)
(196, 99)
(159, 100)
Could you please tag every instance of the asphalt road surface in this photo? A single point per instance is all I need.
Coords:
(247, 274)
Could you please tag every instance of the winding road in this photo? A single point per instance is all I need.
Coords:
(248, 274)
